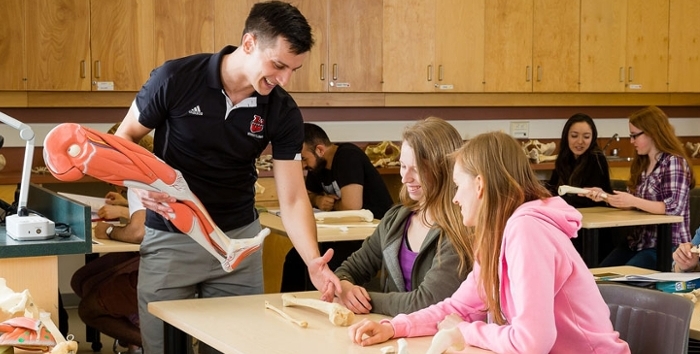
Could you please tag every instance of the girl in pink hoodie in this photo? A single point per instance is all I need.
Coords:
(529, 291)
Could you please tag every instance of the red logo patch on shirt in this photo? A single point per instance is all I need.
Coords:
(257, 124)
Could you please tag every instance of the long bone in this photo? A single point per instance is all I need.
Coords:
(564, 189)
(72, 151)
(338, 314)
(363, 214)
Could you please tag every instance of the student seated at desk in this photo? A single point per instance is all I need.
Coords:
(529, 291)
(107, 285)
(339, 177)
(411, 249)
(683, 259)
(580, 162)
(660, 182)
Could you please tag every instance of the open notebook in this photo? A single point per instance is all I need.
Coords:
(654, 277)
(95, 203)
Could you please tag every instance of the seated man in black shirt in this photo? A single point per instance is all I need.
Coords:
(340, 177)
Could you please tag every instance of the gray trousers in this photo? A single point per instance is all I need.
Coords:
(173, 266)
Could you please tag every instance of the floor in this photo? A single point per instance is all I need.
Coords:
(76, 327)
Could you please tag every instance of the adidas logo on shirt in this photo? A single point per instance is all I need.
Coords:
(196, 111)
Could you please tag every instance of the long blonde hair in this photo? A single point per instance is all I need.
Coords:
(655, 124)
(432, 140)
(508, 183)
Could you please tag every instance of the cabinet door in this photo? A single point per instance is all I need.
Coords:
(684, 46)
(183, 27)
(508, 46)
(308, 78)
(229, 21)
(555, 46)
(459, 45)
(121, 39)
(603, 45)
(354, 46)
(647, 45)
(12, 45)
(58, 45)
(409, 46)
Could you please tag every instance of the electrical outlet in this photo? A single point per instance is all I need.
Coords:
(520, 130)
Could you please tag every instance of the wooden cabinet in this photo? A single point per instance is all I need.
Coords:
(647, 45)
(531, 46)
(684, 46)
(433, 45)
(346, 56)
(83, 45)
(624, 45)
(121, 41)
(58, 45)
(603, 45)
(183, 27)
(12, 70)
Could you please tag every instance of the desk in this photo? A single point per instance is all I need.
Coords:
(601, 217)
(109, 246)
(242, 325)
(627, 270)
(277, 245)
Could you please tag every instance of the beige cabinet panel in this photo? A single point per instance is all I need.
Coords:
(12, 70)
(308, 77)
(459, 46)
(121, 37)
(684, 46)
(508, 46)
(647, 45)
(183, 27)
(555, 45)
(603, 45)
(354, 46)
(409, 46)
(58, 45)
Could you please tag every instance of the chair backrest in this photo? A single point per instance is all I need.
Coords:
(650, 321)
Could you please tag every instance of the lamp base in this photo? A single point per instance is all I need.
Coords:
(29, 228)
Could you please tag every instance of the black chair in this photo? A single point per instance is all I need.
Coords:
(650, 321)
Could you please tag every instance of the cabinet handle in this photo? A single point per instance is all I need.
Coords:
(630, 74)
(98, 69)
(82, 69)
(539, 73)
(335, 71)
(430, 73)
(441, 73)
(323, 72)
(528, 73)
(622, 74)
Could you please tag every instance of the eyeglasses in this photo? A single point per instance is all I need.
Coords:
(636, 135)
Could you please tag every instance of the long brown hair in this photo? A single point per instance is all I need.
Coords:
(432, 140)
(508, 183)
(655, 124)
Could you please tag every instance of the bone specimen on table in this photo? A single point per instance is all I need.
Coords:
(338, 314)
(362, 214)
(539, 152)
(446, 339)
(403, 346)
(694, 148)
(302, 324)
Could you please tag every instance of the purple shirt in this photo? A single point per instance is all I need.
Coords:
(407, 257)
(669, 182)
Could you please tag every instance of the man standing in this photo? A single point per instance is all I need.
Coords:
(213, 115)
(341, 176)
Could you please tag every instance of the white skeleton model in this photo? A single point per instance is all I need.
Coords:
(338, 314)
(538, 151)
(13, 303)
(694, 149)
(564, 189)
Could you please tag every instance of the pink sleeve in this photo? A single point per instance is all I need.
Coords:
(527, 292)
(465, 302)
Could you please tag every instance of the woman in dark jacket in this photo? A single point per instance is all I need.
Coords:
(581, 162)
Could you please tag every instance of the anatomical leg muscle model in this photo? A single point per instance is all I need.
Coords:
(72, 151)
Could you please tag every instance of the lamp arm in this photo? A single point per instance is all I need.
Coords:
(27, 134)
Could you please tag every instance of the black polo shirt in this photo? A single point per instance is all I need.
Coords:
(213, 144)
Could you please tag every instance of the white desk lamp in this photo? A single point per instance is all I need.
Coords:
(22, 226)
